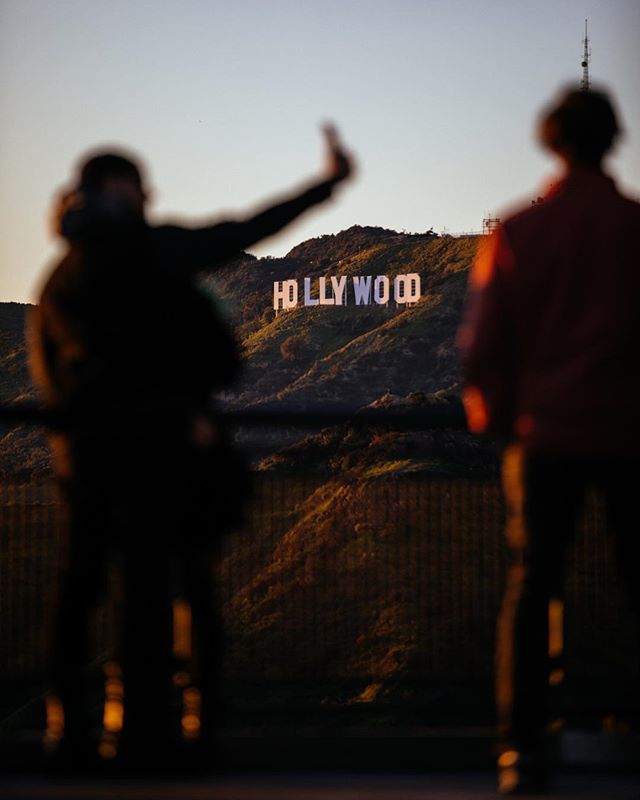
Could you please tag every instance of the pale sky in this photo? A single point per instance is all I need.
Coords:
(437, 98)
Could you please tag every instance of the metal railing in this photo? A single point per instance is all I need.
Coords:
(350, 587)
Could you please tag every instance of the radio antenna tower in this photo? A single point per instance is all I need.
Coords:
(586, 57)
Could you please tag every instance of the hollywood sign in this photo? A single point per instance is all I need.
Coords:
(333, 291)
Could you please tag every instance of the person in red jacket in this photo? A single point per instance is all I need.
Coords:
(550, 346)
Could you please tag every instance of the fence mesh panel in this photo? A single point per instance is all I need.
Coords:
(370, 580)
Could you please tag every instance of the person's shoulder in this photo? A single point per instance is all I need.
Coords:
(169, 243)
(161, 233)
(630, 205)
(622, 209)
(527, 218)
(172, 232)
(169, 240)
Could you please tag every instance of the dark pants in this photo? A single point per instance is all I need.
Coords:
(158, 521)
(544, 495)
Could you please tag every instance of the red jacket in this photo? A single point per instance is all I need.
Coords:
(551, 338)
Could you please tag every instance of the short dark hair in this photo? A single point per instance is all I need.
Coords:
(583, 123)
(101, 166)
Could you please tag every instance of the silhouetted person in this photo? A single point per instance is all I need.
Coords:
(550, 347)
(128, 351)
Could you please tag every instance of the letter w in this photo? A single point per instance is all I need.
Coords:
(362, 290)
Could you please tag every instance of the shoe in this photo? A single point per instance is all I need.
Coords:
(521, 773)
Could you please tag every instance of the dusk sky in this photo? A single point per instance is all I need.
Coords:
(437, 99)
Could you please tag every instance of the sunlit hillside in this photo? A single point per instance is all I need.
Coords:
(349, 354)
(352, 355)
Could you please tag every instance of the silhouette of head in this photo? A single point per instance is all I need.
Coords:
(581, 127)
(117, 175)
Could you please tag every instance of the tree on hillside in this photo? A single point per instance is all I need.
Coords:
(293, 348)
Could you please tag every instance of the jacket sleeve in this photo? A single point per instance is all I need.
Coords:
(486, 339)
(196, 249)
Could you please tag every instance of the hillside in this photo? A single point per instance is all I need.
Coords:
(14, 377)
(366, 581)
(321, 355)
(23, 450)
(349, 354)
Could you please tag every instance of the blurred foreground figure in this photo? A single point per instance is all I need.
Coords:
(128, 351)
(550, 347)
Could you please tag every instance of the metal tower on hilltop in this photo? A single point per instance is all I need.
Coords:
(586, 58)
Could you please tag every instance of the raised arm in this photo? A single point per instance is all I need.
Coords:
(207, 247)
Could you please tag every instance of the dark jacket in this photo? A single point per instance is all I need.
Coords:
(123, 343)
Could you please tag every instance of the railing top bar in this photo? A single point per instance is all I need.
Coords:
(437, 416)
(444, 416)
